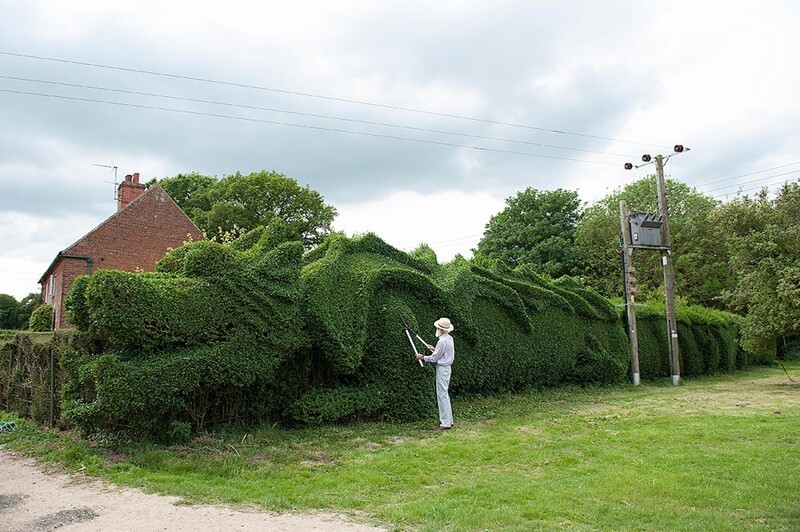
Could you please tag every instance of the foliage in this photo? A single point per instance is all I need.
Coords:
(698, 252)
(717, 453)
(789, 348)
(29, 361)
(763, 239)
(252, 331)
(27, 305)
(507, 335)
(14, 314)
(707, 341)
(41, 320)
(190, 191)
(9, 310)
(536, 228)
(213, 334)
(244, 202)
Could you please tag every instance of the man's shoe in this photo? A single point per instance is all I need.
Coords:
(442, 428)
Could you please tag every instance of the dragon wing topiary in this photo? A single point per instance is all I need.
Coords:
(510, 332)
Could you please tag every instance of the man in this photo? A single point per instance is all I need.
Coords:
(442, 355)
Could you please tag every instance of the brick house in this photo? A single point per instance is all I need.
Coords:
(146, 223)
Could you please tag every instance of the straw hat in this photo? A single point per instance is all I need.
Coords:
(444, 324)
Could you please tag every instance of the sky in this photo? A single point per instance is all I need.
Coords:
(415, 119)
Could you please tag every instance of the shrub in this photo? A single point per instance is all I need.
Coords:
(30, 382)
(41, 319)
(213, 335)
(707, 341)
(256, 330)
(513, 329)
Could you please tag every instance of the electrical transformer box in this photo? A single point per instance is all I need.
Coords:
(646, 229)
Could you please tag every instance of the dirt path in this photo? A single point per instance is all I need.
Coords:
(32, 500)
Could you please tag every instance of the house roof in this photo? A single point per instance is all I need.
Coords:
(65, 253)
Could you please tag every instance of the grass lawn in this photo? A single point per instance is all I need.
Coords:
(717, 453)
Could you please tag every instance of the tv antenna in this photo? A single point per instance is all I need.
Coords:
(113, 169)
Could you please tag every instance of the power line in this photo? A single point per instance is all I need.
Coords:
(319, 96)
(312, 115)
(318, 128)
(725, 195)
(752, 181)
(745, 175)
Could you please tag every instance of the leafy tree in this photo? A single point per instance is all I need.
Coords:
(9, 312)
(763, 238)
(700, 258)
(536, 228)
(190, 191)
(240, 202)
(27, 305)
(14, 314)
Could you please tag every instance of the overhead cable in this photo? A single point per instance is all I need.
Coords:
(752, 181)
(746, 175)
(319, 96)
(312, 115)
(305, 126)
(767, 186)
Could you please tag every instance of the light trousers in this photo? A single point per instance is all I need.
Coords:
(442, 397)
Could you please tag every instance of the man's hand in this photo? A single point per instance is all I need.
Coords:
(431, 348)
(419, 357)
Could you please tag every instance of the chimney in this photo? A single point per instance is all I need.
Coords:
(129, 190)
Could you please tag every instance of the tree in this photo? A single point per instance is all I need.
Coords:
(700, 258)
(763, 237)
(190, 191)
(9, 312)
(27, 305)
(15, 314)
(536, 228)
(239, 203)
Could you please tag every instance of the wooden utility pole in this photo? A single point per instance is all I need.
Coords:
(628, 270)
(669, 276)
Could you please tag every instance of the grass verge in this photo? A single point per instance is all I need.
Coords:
(715, 453)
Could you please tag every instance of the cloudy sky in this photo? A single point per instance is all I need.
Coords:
(415, 119)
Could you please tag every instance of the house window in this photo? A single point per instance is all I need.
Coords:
(52, 286)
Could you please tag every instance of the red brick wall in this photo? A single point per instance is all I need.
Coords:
(136, 237)
(66, 271)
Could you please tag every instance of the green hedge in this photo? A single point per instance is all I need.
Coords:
(256, 330)
(41, 319)
(513, 329)
(30, 373)
(215, 334)
(707, 341)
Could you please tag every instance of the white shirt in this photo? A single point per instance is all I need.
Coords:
(445, 351)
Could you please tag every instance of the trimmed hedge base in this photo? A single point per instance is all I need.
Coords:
(254, 331)
(707, 340)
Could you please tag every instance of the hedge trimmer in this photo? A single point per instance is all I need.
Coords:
(408, 330)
